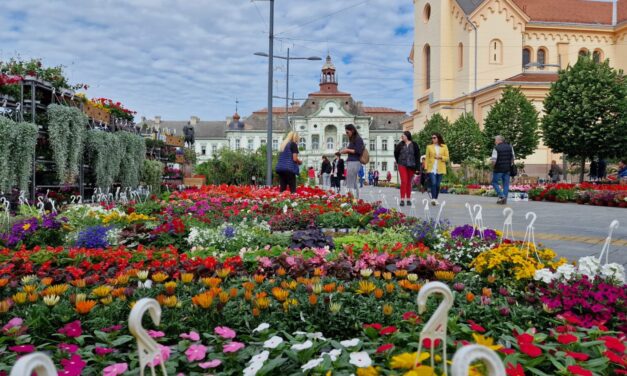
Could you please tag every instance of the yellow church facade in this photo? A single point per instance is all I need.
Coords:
(466, 51)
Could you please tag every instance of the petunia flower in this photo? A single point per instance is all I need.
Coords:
(163, 356)
(260, 358)
(387, 330)
(232, 347)
(192, 336)
(196, 352)
(360, 359)
(385, 347)
(225, 332)
(566, 339)
(115, 369)
(210, 364)
(73, 366)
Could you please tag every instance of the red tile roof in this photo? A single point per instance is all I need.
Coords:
(382, 110)
(533, 77)
(570, 11)
(277, 110)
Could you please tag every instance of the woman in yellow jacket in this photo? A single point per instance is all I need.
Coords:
(435, 164)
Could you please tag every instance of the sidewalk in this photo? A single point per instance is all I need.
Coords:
(571, 230)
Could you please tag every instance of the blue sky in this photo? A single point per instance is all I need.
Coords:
(177, 58)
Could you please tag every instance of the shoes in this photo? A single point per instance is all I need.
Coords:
(501, 201)
(402, 203)
(434, 202)
(408, 203)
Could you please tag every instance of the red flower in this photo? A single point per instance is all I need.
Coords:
(525, 342)
(373, 326)
(613, 343)
(578, 356)
(615, 358)
(388, 330)
(507, 351)
(427, 343)
(512, 370)
(384, 348)
(566, 339)
(409, 315)
(579, 370)
(524, 338)
(476, 327)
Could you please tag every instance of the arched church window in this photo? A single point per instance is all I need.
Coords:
(526, 56)
(496, 51)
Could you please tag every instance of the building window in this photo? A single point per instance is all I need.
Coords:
(237, 142)
(315, 142)
(372, 166)
(526, 56)
(426, 13)
(384, 166)
(373, 145)
(427, 66)
(583, 52)
(330, 143)
(263, 141)
(203, 150)
(214, 149)
(344, 140)
(250, 144)
(384, 145)
(275, 145)
(302, 143)
(597, 55)
(496, 51)
(460, 55)
(541, 58)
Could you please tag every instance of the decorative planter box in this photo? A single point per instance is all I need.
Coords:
(97, 114)
(193, 182)
(174, 140)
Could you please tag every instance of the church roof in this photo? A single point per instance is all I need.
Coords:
(533, 77)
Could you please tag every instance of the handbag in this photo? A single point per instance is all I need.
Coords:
(286, 163)
(513, 170)
(364, 158)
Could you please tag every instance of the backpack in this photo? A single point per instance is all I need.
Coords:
(365, 157)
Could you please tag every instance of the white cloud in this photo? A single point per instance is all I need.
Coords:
(177, 58)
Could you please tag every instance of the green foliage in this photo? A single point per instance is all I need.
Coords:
(234, 167)
(152, 173)
(133, 151)
(66, 129)
(17, 146)
(465, 139)
(104, 150)
(436, 124)
(190, 156)
(515, 118)
(33, 67)
(586, 111)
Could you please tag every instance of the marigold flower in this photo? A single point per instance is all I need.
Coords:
(388, 309)
(159, 277)
(85, 306)
(187, 277)
(203, 300)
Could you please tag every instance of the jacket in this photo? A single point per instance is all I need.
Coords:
(504, 157)
(430, 159)
(339, 167)
(397, 153)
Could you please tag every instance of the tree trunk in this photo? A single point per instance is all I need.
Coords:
(583, 169)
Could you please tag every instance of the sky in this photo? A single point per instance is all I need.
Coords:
(182, 58)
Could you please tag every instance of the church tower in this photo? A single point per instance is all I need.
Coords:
(328, 79)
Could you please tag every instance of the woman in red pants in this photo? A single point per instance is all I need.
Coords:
(407, 156)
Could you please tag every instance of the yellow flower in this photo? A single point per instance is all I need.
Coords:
(407, 360)
(84, 307)
(187, 277)
(29, 289)
(51, 300)
(366, 287)
(421, 371)
(444, 275)
(387, 309)
(26, 226)
(102, 291)
(159, 277)
(212, 281)
(280, 294)
(19, 298)
(485, 341)
(203, 300)
(369, 371)
(223, 273)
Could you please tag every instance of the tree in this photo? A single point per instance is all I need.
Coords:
(465, 139)
(436, 124)
(516, 119)
(586, 112)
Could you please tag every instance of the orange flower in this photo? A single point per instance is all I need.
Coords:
(259, 278)
(248, 295)
(203, 300)
(121, 280)
(262, 302)
(4, 282)
(341, 288)
(492, 279)
(400, 273)
(248, 286)
(187, 277)
(487, 292)
(224, 297)
(280, 294)
(378, 293)
(84, 307)
(212, 281)
(470, 297)
(233, 292)
(5, 305)
(118, 293)
(256, 312)
(47, 281)
(318, 272)
(281, 271)
(33, 298)
(80, 283)
(390, 288)
(444, 275)
(170, 287)
(329, 287)
(313, 299)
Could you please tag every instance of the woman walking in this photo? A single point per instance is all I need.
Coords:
(437, 156)
(407, 156)
(287, 165)
(354, 149)
(325, 170)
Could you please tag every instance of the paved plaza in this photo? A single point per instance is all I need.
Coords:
(571, 230)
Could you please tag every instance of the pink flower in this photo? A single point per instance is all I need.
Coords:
(232, 347)
(115, 369)
(224, 332)
(103, 350)
(210, 364)
(22, 349)
(163, 356)
(13, 323)
(155, 333)
(69, 348)
(192, 336)
(72, 330)
(73, 366)
(113, 328)
(196, 352)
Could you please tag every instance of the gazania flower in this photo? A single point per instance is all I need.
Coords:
(203, 300)
(84, 307)
(19, 298)
(212, 281)
(443, 275)
(51, 300)
(388, 309)
(102, 291)
(280, 294)
(187, 277)
(365, 288)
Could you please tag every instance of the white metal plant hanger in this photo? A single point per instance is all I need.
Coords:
(508, 230)
(439, 217)
(469, 354)
(30, 364)
(427, 209)
(606, 246)
(148, 348)
(529, 241)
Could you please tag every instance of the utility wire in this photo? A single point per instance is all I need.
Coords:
(287, 31)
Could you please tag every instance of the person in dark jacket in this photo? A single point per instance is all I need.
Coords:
(502, 159)
(354, 150)
(325, 171)
(337, 172)
(407, 156)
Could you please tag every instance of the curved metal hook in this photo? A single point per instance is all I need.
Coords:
(467, 355)
(433, 288)
(613, 226)
(533, 220)
(37, 362)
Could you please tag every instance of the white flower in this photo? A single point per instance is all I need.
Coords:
(365, 272)
(263, 326)
(302, 346)
(300, 333)
(544, 275)
(333, 354)
(260, 358)
(588, 266)
(273, 342)
(360, 359)
(350, 343)
(312, 364)
(145, 285)
(253, 368)
(294, 204)
(566, 271)
(614, 271)
(316, 335)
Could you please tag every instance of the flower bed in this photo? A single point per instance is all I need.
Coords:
(250, 283)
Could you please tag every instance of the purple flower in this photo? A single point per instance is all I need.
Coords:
(93, 237)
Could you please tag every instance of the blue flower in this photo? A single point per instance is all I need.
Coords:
(93, 237)
(229, 232)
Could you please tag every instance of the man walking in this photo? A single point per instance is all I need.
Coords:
(502, 159)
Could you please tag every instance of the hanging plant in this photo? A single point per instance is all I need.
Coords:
(152, 173)
(23, 143)
(133, 151)
(6, 125)
(66, 129)
(104, 150)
